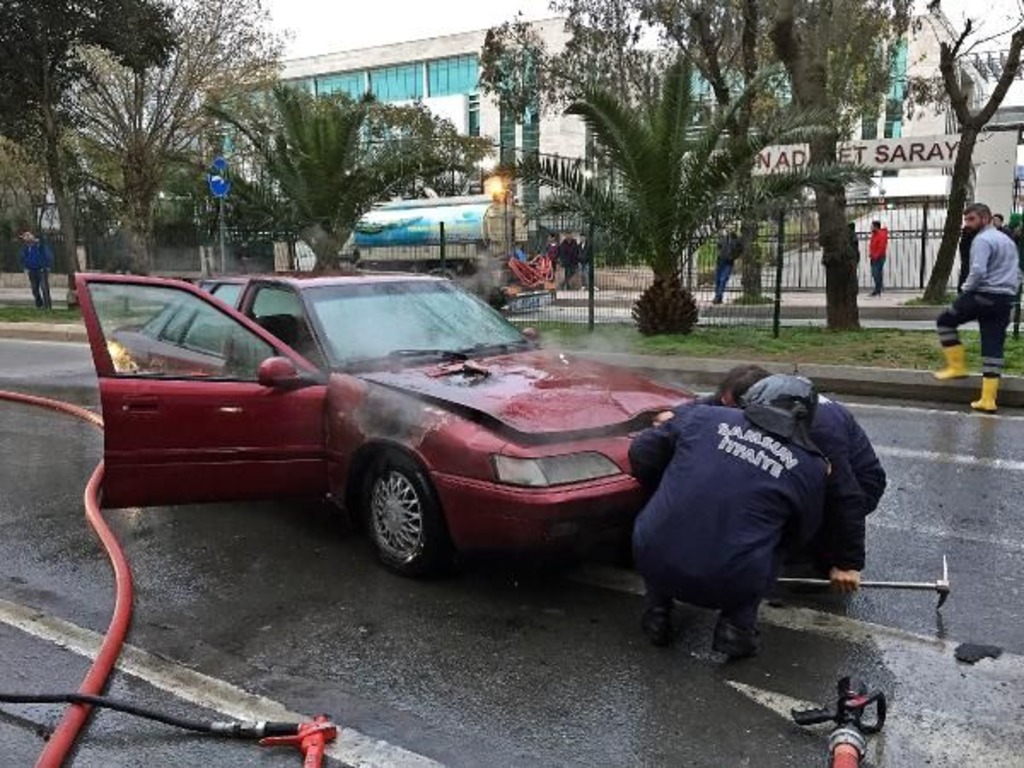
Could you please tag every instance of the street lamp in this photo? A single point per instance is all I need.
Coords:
(497, 188)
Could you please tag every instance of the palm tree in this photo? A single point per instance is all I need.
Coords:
(327, 161)
(671, 175)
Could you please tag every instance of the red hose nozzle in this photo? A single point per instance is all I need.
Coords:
(310, 738)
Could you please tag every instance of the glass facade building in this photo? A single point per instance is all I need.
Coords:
(352, 84)
(401, 83)
(451, 76)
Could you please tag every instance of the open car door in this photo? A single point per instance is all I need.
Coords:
(186, 417)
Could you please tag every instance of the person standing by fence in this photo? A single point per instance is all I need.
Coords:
(569, 257)
(730, 248)
(37, 260)
(988, 296)
(878, 247)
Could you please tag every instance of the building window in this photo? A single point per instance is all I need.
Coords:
(893, 119)
(897, 93)
(307, 84)
(401, 83)
(506, 136)
(454, 76)
(869, 127)
(352, 84)
(474, 115)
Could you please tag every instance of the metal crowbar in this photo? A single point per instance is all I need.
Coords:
(941, 586)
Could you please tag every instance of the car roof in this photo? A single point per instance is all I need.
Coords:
(301, 280)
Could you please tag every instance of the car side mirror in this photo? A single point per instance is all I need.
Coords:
(532, 334)
(279, 373)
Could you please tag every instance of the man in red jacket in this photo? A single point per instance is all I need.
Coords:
(877, 248)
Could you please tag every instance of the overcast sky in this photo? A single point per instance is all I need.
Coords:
(322, 26)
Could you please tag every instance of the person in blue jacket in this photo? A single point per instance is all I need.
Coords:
(731, 486)
(37, 260)
(855, 488)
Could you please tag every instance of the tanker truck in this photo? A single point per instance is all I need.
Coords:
(405, 235)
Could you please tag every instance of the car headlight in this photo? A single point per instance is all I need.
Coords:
(553, 470)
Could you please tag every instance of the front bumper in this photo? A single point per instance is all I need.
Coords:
(488, 516)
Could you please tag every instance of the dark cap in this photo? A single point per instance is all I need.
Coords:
(785, 406)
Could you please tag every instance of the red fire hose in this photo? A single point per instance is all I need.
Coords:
(63, 739)
(311, 738)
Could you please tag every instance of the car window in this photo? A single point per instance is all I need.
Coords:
(276, 301)
(228, 292)
(281, 312)
(165, 331)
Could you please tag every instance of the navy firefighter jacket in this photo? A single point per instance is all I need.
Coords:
(726, 492)
(855, 487)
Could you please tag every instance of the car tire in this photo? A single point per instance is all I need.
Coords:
(403, 517)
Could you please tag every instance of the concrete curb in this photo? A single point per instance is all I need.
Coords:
(706, 372)
(43, 331)
(793, 312)
(841, 379)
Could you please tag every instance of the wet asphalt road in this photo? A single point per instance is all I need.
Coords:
(501, 664)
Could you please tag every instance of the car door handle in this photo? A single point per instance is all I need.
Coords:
(140, 405)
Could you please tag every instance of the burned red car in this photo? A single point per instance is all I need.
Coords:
(404, 399)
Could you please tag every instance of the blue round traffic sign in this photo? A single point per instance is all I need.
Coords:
(219, 186)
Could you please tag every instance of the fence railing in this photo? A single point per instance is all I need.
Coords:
(758, 290)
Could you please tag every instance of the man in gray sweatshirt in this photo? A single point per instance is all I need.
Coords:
(987, 296)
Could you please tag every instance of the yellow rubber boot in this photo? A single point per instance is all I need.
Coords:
(956, 363)
(989, 390)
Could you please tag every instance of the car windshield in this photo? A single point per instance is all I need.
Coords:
(371, 322)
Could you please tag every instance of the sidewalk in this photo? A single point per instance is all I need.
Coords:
(22, 297)
(865, 381)
(796, 305)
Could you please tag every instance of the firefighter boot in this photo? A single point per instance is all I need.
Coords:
(989, 389)
(956, 363)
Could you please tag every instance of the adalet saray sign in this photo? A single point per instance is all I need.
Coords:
(884, 154)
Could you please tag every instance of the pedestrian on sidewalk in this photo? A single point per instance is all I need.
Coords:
(730, 487)
(730, 248)
(988, 295)
(569, 258)
(37, 261)
(878, 247)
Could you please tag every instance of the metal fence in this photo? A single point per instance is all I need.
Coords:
(186, 257)
(760, 288)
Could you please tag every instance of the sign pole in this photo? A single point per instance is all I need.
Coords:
(219, 188)
(223, 254)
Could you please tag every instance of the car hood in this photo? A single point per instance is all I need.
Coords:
(538, 392)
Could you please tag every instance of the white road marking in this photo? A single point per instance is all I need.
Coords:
(937, 532)
(806, 619)
(351, 748)
(853, 404)
(929, 736)
(982, 728)
(950, 458)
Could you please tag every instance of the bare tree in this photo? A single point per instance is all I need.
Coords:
(952, 88)
(135, 125)
(22, 186)
(837, 53)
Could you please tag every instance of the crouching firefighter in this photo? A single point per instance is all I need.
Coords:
(855, 485)
(731, 487)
